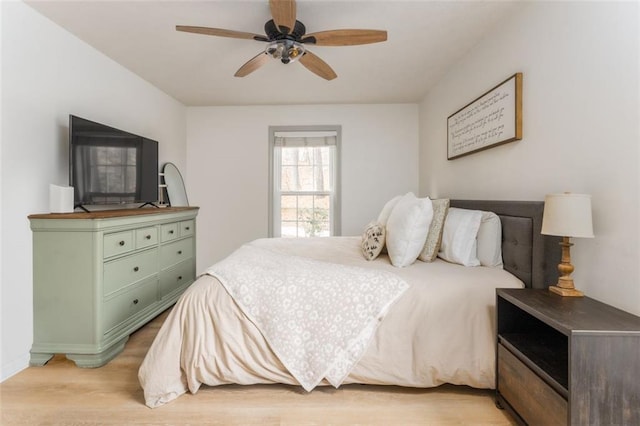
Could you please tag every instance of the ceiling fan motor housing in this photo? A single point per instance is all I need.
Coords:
(273, 33)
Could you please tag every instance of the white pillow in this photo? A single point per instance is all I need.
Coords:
(387, 209)
(459, 243)
(490, 240)
(407, 229)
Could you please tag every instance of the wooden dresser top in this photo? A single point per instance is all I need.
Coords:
(106, 214)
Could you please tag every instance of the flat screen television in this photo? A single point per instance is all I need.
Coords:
(111, 166)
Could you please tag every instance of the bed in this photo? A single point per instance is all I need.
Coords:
(433, 323)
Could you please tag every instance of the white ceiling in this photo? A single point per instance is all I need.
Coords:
(425, 39)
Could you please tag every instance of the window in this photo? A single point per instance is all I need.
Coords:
(304, 180)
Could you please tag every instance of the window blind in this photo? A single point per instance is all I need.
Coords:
(297, 141)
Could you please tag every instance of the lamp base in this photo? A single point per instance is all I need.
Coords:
(571, 292)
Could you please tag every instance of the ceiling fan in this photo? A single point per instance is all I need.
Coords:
(286, 40)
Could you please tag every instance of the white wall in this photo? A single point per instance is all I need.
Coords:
(47, 74)
(581, 129)
(228, 167)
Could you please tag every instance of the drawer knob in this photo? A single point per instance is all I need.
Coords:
(187, 228)
(135, 301)
(179, 251)
(180, 278)
(148, 237)
(136, 269)
(121, 243)
(171, 231)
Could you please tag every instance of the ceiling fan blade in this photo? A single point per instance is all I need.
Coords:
(284, 14)
(345, 37)
(220, 32)
(317, 66)
(252, 64)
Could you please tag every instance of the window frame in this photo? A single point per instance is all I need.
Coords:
(335, 202)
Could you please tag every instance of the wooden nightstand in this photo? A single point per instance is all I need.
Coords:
(566, 360)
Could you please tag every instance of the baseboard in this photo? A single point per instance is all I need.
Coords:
(13, 367)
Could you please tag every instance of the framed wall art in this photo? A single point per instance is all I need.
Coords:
(492, 119)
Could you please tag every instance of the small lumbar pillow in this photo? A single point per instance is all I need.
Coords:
(372, 240)
(387, 209)
(434, 237)
(490, 240)
(407, 229)
(459, 243)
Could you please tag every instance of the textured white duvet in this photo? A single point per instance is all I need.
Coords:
(441, 330)
(317, 317)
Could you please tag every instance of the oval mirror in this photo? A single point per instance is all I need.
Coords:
(176, 191)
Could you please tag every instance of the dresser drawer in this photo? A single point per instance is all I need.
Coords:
(129, 303)
(528, 394)
(146, 237)
(187, 228)
(169, 231)
(174, 278)
(175, 252)
(127, 270)
(117, 243)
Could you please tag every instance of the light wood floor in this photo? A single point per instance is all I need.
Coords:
(60, 393)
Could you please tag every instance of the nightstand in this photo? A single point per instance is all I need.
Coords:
(566, 360)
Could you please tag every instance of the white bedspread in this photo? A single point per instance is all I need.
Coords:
(441, 330)
(317, 317)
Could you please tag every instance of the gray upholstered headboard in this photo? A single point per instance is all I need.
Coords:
(526, 253)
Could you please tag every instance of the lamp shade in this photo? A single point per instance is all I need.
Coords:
(567, 215)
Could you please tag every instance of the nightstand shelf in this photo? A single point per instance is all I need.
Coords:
(566, 360)
(548, 355)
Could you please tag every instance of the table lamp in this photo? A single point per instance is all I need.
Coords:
(567, 215)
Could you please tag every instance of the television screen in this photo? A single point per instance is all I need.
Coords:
(111, 166)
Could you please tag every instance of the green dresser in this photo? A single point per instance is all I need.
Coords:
(99, 276)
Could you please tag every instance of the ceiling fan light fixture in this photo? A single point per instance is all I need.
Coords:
(287, 51)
